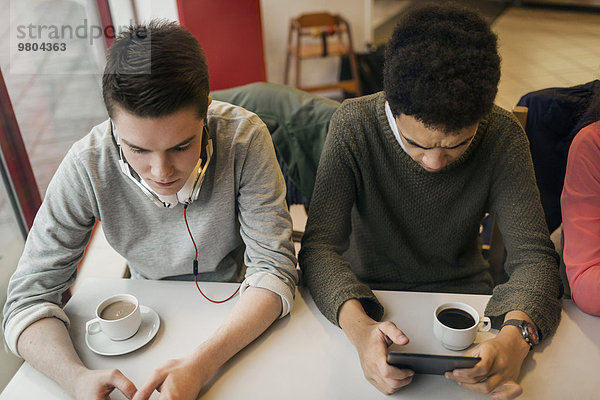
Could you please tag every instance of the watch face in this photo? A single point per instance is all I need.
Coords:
(533, 335)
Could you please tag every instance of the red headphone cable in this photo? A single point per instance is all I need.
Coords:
(196, 264)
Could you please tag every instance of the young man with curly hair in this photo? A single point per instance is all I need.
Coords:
(166, 152)
(406, 177)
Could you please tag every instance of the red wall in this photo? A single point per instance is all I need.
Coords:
(230, 33)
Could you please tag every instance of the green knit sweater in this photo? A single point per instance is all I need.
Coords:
(378, 220)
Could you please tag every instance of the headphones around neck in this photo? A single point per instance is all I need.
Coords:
(190, 190)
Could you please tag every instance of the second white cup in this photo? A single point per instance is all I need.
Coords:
(118, 317)
(456, 325)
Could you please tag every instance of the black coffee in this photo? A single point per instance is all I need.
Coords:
(455, 318)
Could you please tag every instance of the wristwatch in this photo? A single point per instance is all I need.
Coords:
(529, 332)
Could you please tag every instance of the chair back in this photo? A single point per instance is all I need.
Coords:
(551, 123)
(319, 35)
(319, 19)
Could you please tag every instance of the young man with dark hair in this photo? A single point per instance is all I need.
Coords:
(406, 177)
(166, 153)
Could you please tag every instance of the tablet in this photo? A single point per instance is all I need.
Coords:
(430, 363)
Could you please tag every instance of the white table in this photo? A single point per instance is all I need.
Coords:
(304, 356)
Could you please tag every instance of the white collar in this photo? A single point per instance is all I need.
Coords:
(393, 126)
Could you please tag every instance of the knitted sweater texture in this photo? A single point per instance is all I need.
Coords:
(378, 220)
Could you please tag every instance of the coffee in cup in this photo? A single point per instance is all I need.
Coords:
(456, 318)
(118, 317)
(117, 310)
(456, 325)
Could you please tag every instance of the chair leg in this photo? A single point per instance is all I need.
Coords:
(288, 57)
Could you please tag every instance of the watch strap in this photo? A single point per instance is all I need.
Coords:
(523, 326)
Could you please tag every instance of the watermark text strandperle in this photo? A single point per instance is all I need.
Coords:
(64, 32)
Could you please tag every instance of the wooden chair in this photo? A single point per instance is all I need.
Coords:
(320, 35)
(521, 113)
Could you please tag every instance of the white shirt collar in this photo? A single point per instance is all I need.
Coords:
(393, 126)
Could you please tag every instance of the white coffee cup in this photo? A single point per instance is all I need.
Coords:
(118, 317)
(459, 325)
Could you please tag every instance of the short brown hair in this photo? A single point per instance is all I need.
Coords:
(154, 70)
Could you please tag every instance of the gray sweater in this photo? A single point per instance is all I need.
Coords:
(240, 221)
(417, 230)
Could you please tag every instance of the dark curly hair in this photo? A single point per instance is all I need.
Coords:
(154, 70)
(442, 66)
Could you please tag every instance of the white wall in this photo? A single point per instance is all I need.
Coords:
(148, 9)
(122, 10)
(276, 15)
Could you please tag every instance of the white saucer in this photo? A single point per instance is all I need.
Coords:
(103, 345)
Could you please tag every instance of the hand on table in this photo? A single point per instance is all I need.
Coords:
(372, 350)
(98, 384)
(47, 346)
(177, 379)
(499, 368)
(183, 378)
(372, 339)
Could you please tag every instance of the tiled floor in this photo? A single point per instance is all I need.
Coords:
(543, 48)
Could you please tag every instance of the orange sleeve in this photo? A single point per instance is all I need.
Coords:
(580, 204)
